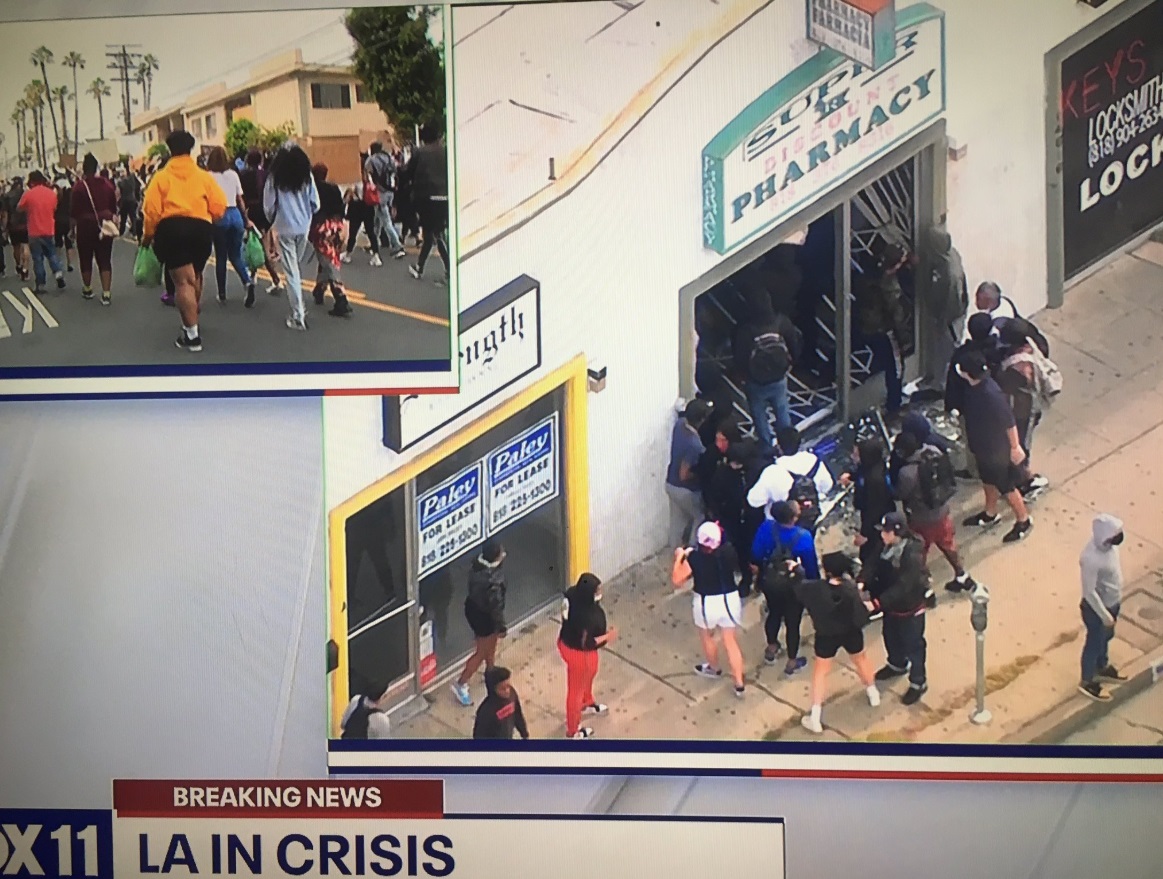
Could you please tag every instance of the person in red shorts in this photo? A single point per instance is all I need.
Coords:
(926, 497)
(583, 633)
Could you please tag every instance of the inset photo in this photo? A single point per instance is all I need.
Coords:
(226, 203)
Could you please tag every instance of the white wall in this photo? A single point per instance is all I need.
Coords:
(613, 255)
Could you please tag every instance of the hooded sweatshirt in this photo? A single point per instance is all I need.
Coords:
(497, 717)
(1102, 571)
(582, 619)
(835, 607)
(182, 189)
(486, 591)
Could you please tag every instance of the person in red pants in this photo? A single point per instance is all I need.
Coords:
(583, 634)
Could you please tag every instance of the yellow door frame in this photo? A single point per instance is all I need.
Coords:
(572, 377)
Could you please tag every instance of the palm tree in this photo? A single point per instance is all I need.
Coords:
(41, 58)
(145, 69)
(139, 78)
(61, 94)
(75, 61)
(99, 89)
(19, 119)
(34, 97)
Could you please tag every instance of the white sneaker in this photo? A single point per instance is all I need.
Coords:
(296, 324)
(874, 697)
(597, 709)
(345, 258)
(811, 724)
(584, 733)
(376, 261)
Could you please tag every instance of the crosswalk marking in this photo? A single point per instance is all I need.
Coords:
(35, 306)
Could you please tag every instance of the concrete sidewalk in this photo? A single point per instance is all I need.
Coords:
(1100, 449)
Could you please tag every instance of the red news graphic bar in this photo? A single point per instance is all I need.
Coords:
(279, 799)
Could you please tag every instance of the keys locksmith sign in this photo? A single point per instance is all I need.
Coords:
(817, 127)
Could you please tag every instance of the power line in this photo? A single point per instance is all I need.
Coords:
(122, 61)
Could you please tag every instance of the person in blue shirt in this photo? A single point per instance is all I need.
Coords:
(682, 477)
(780, 546)
(290, 198)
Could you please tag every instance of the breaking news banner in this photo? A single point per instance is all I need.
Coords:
(375, 828)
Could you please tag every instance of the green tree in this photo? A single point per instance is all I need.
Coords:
(41, 58)
(398, 62)
(158, 151)
(61, 94)
(241, 135)
(99, 89)
(270, 139)
(75, 61)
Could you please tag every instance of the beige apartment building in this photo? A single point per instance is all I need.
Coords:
(333, 115)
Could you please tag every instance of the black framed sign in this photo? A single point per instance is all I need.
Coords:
(1111, 112)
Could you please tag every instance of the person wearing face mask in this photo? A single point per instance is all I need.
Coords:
(500, 715)
(584, 633)
(1102, 595)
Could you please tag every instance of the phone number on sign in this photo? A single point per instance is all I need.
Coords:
(451, 546)
(523, 499)
(1105, 147)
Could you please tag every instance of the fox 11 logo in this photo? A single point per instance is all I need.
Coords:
(56, 843)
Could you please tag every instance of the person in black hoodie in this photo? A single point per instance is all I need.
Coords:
(484, 609)
(726, 502)
(873, 500)
(427, 171)
(583, 634)
(766, 348)
(981, 340)
(500, 715)
(839, 615)
(903, 584)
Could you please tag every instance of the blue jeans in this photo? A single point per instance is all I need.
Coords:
(384, 221)
(40, 248)
(762, 397)
(886, 360)
(229, 233)
(294, 249)
(1098, 636)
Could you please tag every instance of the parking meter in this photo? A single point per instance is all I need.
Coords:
(979, 617)
(979, 609)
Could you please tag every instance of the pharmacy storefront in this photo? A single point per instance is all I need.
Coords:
(401, 549)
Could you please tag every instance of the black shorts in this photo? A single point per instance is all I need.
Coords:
(17, 236)
(481, 623)
(183, 241)
(1003, 475)
(64, 236)
(827, 646)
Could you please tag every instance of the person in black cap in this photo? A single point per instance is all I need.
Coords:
(484, 608)
(882, 321)
(839, 616)
(902, 589)
(682, 480)
(726, 499)
(583, 633)
(500, 714)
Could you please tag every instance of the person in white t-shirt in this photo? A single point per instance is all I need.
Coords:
(989, 299)
(777, 480)
(230, 231)
(364, 718)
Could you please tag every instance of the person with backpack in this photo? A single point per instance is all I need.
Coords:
(726, 502)
(500, 714)
(949, 296)
(1032, 381)
(990, 300)
(882, 321)
(991, 434)
(838, 615)
(811, 481)
(904, 584)
(484, 610)
(925, 486)
(683, 488)
(766, 349)
(873, 499)
(364, 718)
(584, 632)
(779, 546)
(380, 172)
(716, 603)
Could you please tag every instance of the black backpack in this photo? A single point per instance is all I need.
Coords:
(770, 358)
(936, 477)
(357, 725)
(804, 492)
(777, 579)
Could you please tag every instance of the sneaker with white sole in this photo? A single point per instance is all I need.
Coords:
(416, 272)
(462, 694)
(811, 724)
(297, 323)
(376, 261)
(705, 669)
(187, 344)
(584, 733)
(597, 709)
(345, 258)
(1094, 690)
(874, 697)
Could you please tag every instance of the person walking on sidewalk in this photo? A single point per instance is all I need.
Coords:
(230, 231)
(327, 239)
(992, 436)
(380, 172)
(428, 172)
(925, 486)
(128, 203)
(1102, 596)
(290, 198)
(584, 633)
(500, 714)
(39, 203)
(726, 500)
(94, 201)
(16, 225)
(484, 609)
(253, 178)
(905, 583)
(1031, 381)
(780, 546)
(682, 481)
(64, 238)
(873, 499)
(717, 605)
(839, 616)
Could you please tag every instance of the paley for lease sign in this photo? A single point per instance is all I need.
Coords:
(364, 828)
(820, 125)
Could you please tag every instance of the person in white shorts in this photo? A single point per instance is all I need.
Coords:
(716, 601)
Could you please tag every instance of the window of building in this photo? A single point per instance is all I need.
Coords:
(330, 96)
(363, 94)
(196, 127)
(211, 125)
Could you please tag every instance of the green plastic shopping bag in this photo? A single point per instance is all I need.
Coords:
(255, 253)
(147, 271)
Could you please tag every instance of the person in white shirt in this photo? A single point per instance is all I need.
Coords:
(989, 299)
(777, 480)
(364, 718)
(230, 231)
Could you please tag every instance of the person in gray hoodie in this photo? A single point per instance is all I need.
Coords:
(1102, 594)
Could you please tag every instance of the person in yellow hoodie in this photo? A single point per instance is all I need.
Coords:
(182, 203)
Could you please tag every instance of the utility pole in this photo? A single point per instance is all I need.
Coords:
(123, 61)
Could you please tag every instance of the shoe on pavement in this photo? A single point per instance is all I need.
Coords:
(317, 295)
(981, 520)
(222, 298)
(341, 309)
(597, 709)
(874, 697)
(38, 290)
(187, 344)
(876, 615)
(294, 323)
(794, 665)
(399, 254)
(416, 272)
(376, 261)
(345, 258)
(1110, 673)
(771, 654)
(705, 669)
(914, 693)
(86, 294)
(1094, 690)
(106, 298)
(958, 584)
(60, 281)
(811, 724)
(887, 673)
(584, 733)
(249, 301)
(462, 694)
(930, 599)
(1019, 531)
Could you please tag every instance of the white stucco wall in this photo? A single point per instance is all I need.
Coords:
(612, 256)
